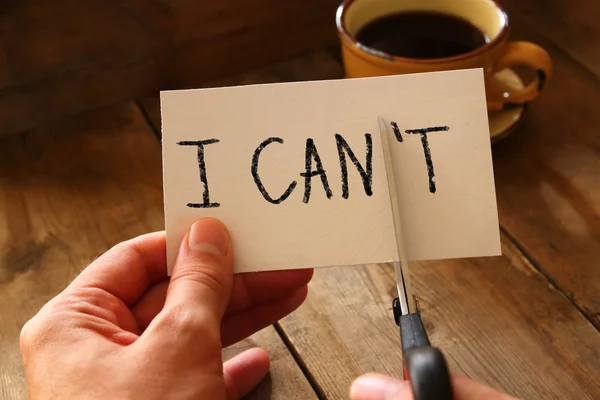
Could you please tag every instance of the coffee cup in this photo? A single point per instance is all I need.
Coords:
(388, 37)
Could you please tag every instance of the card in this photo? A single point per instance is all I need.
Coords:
(296, 170)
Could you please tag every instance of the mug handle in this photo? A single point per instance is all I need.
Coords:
(531, 56)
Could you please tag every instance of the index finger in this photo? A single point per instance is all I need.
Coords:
(128, 269)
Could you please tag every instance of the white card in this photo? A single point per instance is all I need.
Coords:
(254, 143)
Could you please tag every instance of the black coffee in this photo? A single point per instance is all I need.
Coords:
(421, 35)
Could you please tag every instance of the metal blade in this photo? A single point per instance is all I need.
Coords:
(407, 301)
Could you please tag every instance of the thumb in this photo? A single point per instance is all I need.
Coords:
(380, 387)
(383, 387)
(203, 273)
(200, 286)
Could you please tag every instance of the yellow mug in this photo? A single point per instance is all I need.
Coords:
(493, 56)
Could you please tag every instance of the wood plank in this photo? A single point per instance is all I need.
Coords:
(223, 18)
(547, 178)
(43, 38)
(155, 15)
(40, 102)
(318, 65)
(4, 71)
(572, 25)
(68, 192)
(73, 56)
(497, 320)
(150, 106)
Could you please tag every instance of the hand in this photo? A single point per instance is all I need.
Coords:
(382, 387)
(123, 330)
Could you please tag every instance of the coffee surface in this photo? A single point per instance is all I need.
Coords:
(421, 35)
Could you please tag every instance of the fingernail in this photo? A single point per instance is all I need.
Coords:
(209, 236)
(377, 388)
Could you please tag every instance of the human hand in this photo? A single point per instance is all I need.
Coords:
(121, 329)
(382, 387)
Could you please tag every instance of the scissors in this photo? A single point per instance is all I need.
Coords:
(424, 365)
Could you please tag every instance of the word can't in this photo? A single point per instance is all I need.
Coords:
(312, 156)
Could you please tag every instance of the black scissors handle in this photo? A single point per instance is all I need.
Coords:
(425, 366)
(426, 370)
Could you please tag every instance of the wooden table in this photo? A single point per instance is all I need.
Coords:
(527, 322)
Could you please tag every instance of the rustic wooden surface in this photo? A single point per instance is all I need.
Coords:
(527, 322)
(514, 323)
(60, 58)
(571, 25)
(323, 64)
(67, 194)
(497, 321)
(548, 174)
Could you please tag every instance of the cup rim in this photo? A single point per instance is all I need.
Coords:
(341, 27)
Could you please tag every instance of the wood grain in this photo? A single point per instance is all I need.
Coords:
(44, 38)
(73, 56)
(318, 65)
(268, 36)
(547, 178)
(572, 25)
(4, 71)
(496, 319)
(40, 102)
(68, 193)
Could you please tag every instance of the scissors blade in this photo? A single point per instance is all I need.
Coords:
(407, 302)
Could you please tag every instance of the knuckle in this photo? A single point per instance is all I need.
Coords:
(28, 333)
(132, 248)
(77, 298)
(205, 271)
(124, 247)
(192, 321)
(93, 302)
(47, 325)
(34, 333)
